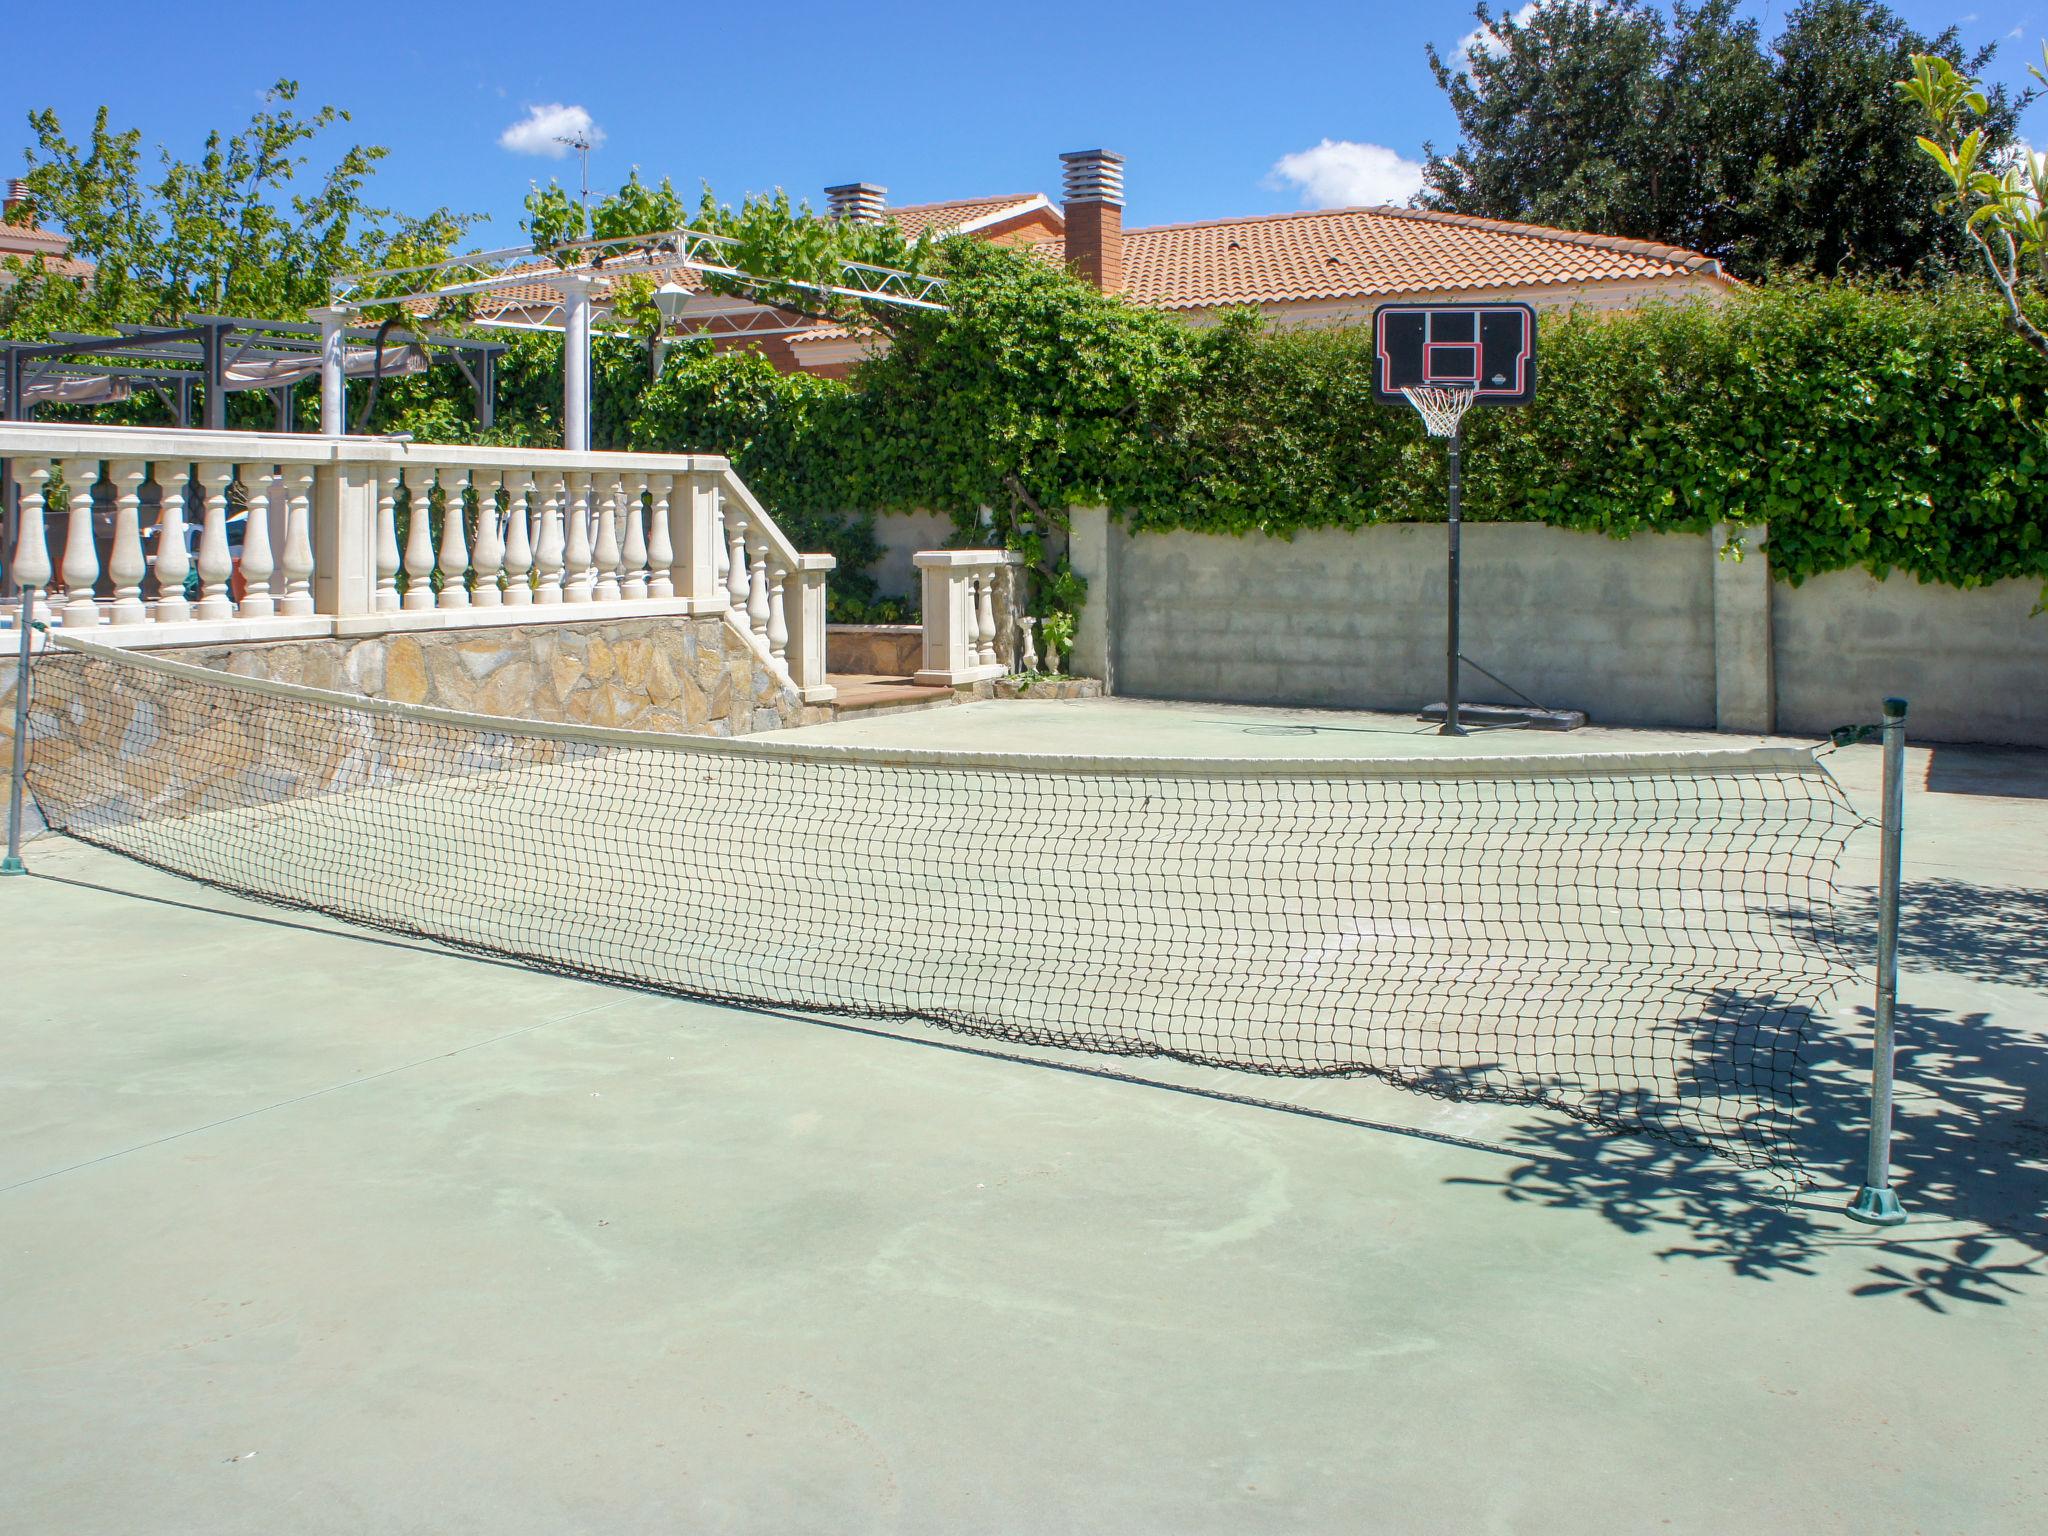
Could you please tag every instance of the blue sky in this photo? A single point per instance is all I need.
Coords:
(1220, 109)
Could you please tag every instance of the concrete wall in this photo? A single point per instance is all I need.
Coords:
(903, 534)
(1973, 665)
(1656, 630)
(1354, 619)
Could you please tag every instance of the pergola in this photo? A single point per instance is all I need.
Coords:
(580, 270)
(219, 355)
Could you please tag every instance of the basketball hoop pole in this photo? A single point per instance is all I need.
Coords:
(1450, 727)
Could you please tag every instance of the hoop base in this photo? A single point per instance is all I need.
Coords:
(1877, 1207)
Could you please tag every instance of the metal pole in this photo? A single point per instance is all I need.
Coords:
(1450, 727)
(1875, 1202)
(18, 773)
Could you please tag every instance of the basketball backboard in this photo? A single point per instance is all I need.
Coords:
(1489, 349)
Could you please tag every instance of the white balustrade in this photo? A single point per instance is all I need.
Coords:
(960, 631)
(518, 539)
(384, 596)
(300, 536)
(661, 551)
(419, 539)
(578, 578)
(488, 558)
(125, 565)
(29, 565)
(256, 563)
(633, 584)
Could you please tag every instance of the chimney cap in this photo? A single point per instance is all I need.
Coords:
(862, 202)
(1093, 176)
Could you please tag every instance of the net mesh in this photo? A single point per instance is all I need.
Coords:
(1637, 942)
(1441, 409)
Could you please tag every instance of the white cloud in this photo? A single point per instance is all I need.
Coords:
(544, 130)
(1479, 40)
(1340, 174)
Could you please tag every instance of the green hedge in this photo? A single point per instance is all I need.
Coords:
(1885, 429)
(1879, 429)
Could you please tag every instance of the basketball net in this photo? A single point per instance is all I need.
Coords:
(1440, 409)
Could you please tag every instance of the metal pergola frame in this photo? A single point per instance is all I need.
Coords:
(220, 355)
(590, 262)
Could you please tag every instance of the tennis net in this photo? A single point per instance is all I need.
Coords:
(1635, 940)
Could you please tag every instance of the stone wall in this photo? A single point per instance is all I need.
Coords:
(690, 676)
(874, 650)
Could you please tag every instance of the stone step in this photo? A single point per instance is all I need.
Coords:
(867, 693)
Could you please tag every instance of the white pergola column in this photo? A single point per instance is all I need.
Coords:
(578, 290)
(333, 382)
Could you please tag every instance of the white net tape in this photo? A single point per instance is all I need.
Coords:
(1441, 409)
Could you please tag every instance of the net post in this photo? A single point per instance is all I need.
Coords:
(18, 769)
(1875, 1202)
(1450, 727)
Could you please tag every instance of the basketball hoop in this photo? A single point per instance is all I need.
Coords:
(1441, 409)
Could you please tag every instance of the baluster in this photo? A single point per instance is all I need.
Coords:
(548, 555)
(578, 578)
(297, 481)
(661, 549)
(610, 504)
(31, 567)
(385, 599)
(124, 562)
(518, 540)
(216, 565)
(489, 555)
(257, 564)
(173, 560)
(419, 538)
(987, 625)
(738, 585)
(454, 540)
(778, 616)
(719, 536)
(757, 593)
(1027, 649)
(81, 559)
(634, 584)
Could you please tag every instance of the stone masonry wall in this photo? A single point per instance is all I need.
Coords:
(686, 676)
(689, 676)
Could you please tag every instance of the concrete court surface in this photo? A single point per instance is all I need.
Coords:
(304, 1229)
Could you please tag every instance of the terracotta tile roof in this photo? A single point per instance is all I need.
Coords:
(1362, 252)
(25, 242)
(916, 219)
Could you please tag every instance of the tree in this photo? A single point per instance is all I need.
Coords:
(1606, 115)
(2002, 200)
(228, 233)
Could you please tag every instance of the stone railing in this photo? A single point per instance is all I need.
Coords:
(967, 601)
(176, 537)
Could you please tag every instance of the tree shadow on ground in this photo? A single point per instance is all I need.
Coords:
(1971, 1152)
(1958, 928)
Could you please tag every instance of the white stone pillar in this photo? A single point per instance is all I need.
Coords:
(806, 618)
(578, 290)
(333, 380)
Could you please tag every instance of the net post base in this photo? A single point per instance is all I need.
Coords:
(12, 866)
(1877, 1207)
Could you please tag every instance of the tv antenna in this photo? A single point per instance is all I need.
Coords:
(580, 142)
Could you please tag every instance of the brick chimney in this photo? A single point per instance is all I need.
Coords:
(858, 202)
(1094, 208)
(20, 206)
